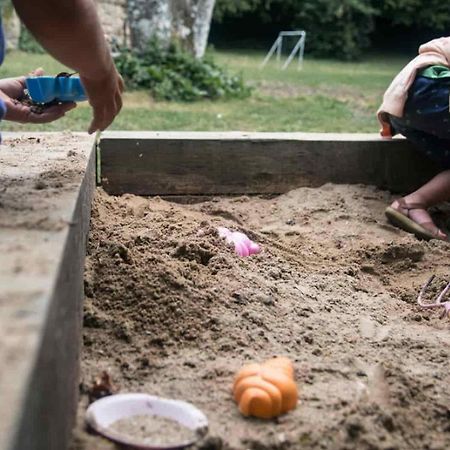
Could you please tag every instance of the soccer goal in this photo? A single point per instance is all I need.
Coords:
(277, 47)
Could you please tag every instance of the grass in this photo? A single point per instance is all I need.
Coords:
(326, 96)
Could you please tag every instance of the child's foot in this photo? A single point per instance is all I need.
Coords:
(414, 218)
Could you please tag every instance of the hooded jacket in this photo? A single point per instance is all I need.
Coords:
(435, 52)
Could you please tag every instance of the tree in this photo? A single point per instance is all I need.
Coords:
(432, 14)
(186, 21)
(235, 8)
(340, 28)
(335, 28)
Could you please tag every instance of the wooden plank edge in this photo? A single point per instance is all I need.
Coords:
(50, 403)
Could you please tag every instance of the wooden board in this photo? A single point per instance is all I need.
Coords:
(48, 182)
(254, 163)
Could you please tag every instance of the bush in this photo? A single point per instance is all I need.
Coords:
(28, 43)
(433, 14)
(174, 74)
(336, 28)
(236, 8)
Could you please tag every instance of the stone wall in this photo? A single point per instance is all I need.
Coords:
(113, 15)
(11, 27)
(134, 22)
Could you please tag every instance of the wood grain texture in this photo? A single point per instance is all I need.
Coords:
(205, 164)
(48, 181)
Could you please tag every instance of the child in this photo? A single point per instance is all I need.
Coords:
(416, 105)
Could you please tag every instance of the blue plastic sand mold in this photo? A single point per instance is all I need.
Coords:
(60, 89)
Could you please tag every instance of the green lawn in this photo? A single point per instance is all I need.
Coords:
(326, 96)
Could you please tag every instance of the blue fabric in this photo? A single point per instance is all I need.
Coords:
(426, 118)
(2, 43)
(2, 109)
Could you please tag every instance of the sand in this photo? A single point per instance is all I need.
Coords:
(152, 430)
(171, 310)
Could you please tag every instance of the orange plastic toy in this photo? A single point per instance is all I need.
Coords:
(266, 390)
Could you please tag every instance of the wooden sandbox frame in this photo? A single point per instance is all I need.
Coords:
(41, 394)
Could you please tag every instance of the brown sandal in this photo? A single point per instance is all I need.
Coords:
(425, 230)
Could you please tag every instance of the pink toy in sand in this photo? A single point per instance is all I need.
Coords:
(242, 244)
(438, 302)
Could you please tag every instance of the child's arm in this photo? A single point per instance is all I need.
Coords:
(70, 30)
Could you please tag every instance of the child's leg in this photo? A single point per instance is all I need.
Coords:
(435, 191)
(425, 123)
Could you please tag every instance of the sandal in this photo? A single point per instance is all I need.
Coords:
(425, 230)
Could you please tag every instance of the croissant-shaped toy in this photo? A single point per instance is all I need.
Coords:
(266, 390)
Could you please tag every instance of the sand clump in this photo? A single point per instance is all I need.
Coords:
(152, 430)
(171, 310)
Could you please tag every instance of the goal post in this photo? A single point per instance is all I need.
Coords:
(299, 49)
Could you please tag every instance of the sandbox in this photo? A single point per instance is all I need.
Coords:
(171, 310)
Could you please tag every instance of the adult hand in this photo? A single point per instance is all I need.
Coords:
(12, 91)
(105, 97)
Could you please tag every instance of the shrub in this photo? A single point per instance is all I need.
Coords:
(28, 43)
(236, 8)
(433, 14)
(174, 74)
(336, 28)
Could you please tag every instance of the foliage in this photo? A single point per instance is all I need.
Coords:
(336, 28)
(28, 43)
(432, 14)
(236, 8)
(339, 28)
(175, 75)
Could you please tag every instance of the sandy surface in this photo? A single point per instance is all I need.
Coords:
(172, 311)
(147, 429)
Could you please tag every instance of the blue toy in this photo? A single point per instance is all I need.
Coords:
(60, 89)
